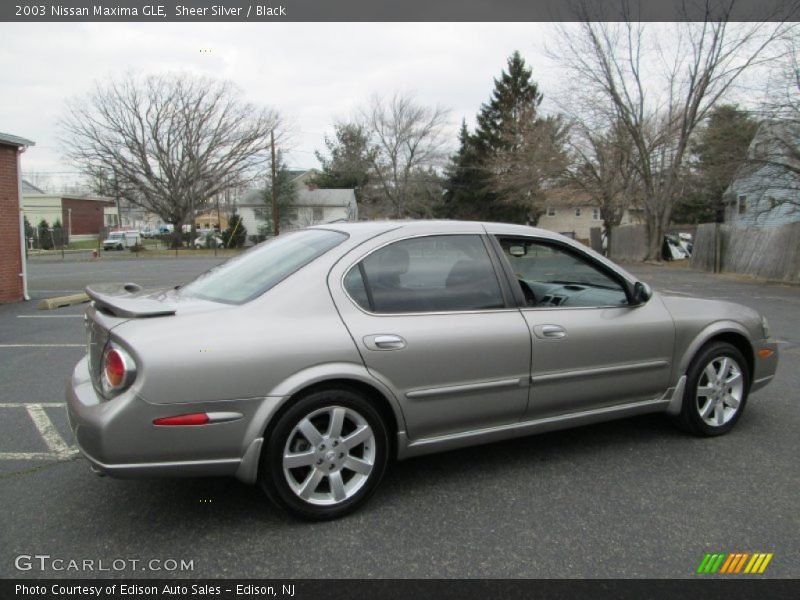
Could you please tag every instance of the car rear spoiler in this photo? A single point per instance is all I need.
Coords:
(125, 301)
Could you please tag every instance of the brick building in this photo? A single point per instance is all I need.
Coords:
(82, 216)
(12, 262)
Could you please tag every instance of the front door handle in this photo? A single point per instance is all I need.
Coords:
(384, 341)
(550, 332)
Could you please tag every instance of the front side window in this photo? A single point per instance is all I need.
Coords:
(256, 271)
(550, 275)
(427, 274)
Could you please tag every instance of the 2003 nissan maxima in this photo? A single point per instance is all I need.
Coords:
(310, 361)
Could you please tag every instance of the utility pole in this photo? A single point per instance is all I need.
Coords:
(274, 186)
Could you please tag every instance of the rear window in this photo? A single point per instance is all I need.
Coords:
(256, 271)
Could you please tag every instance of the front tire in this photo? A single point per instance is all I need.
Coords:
(717, 384)
(325, 456)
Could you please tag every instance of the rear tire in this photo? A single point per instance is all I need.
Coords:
(717, 384)
(325, 455)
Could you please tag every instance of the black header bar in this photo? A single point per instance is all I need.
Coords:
(198, 11)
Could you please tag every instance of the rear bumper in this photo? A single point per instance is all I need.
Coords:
(118, 437)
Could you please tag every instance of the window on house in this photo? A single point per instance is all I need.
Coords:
(551, 212)
(596, 214)
(742, 204)
(318, 214)
(577, 212)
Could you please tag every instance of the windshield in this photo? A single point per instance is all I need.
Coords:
(254, 272)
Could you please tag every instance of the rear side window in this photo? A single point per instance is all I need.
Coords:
(257, 270)
(427, 274)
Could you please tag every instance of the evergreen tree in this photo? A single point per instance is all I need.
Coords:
(347, 164)
(718, 151)
(465, 194)
(286, 197)
(236, 234)
(500, 170)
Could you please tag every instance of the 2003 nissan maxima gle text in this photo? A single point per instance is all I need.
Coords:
(347, 345)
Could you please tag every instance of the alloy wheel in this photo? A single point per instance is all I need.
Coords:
(329, 455)
(720, 390)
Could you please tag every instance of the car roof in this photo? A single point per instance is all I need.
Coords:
(367, 229)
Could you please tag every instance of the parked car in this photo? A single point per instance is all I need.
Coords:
(352, 344)
(208, 240)
(119, 240)
(673, 249)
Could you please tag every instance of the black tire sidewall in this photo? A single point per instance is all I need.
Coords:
(271, 474)
(690, 417)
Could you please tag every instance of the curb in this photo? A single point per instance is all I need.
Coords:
(62, 301)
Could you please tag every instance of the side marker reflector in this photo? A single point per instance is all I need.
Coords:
(765, 352)
(192, 419)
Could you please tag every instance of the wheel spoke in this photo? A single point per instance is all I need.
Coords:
(719, 414)
(711, 374)
(359, 436)
(733, 379)
(300, 459)
(310, 484)
(723, 368)
(705, 391)
(337, 486)
(357, 465)
(310, 432)
(706, 409)
(731, 401)
(337, 420)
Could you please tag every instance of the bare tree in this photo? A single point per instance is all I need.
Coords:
(604, 168)
(405, 139)
(168, 143)
(661, 88)
(530, 157)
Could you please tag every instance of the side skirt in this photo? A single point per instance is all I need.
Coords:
(409, 448)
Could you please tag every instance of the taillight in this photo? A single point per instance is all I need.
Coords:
(118, 369)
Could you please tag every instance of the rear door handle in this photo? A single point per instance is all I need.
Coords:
(550, 332)
(384, 341)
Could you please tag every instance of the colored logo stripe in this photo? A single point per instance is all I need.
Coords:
(734, 563)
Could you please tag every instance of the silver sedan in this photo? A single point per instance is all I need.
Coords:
(309, 362)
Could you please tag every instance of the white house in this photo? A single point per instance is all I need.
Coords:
(766, 190)
(313, 206)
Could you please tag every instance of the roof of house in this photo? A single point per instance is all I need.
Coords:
(568, 197)
(306, 197)
(28, 189)
(14, 140)
(326, 197)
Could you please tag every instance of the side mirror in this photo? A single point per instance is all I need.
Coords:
(641, 293)
(517, 251)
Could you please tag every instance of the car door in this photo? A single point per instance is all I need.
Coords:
(592, 349)
(434, 322)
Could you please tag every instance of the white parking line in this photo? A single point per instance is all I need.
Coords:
(48, 431)
(42, 345)
(50, 316)
(59, 449)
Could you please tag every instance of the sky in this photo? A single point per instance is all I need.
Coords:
(312, 73)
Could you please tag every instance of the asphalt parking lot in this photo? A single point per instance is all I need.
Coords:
(633, 498)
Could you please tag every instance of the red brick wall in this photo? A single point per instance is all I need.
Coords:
(87, 215)
(10, 252)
